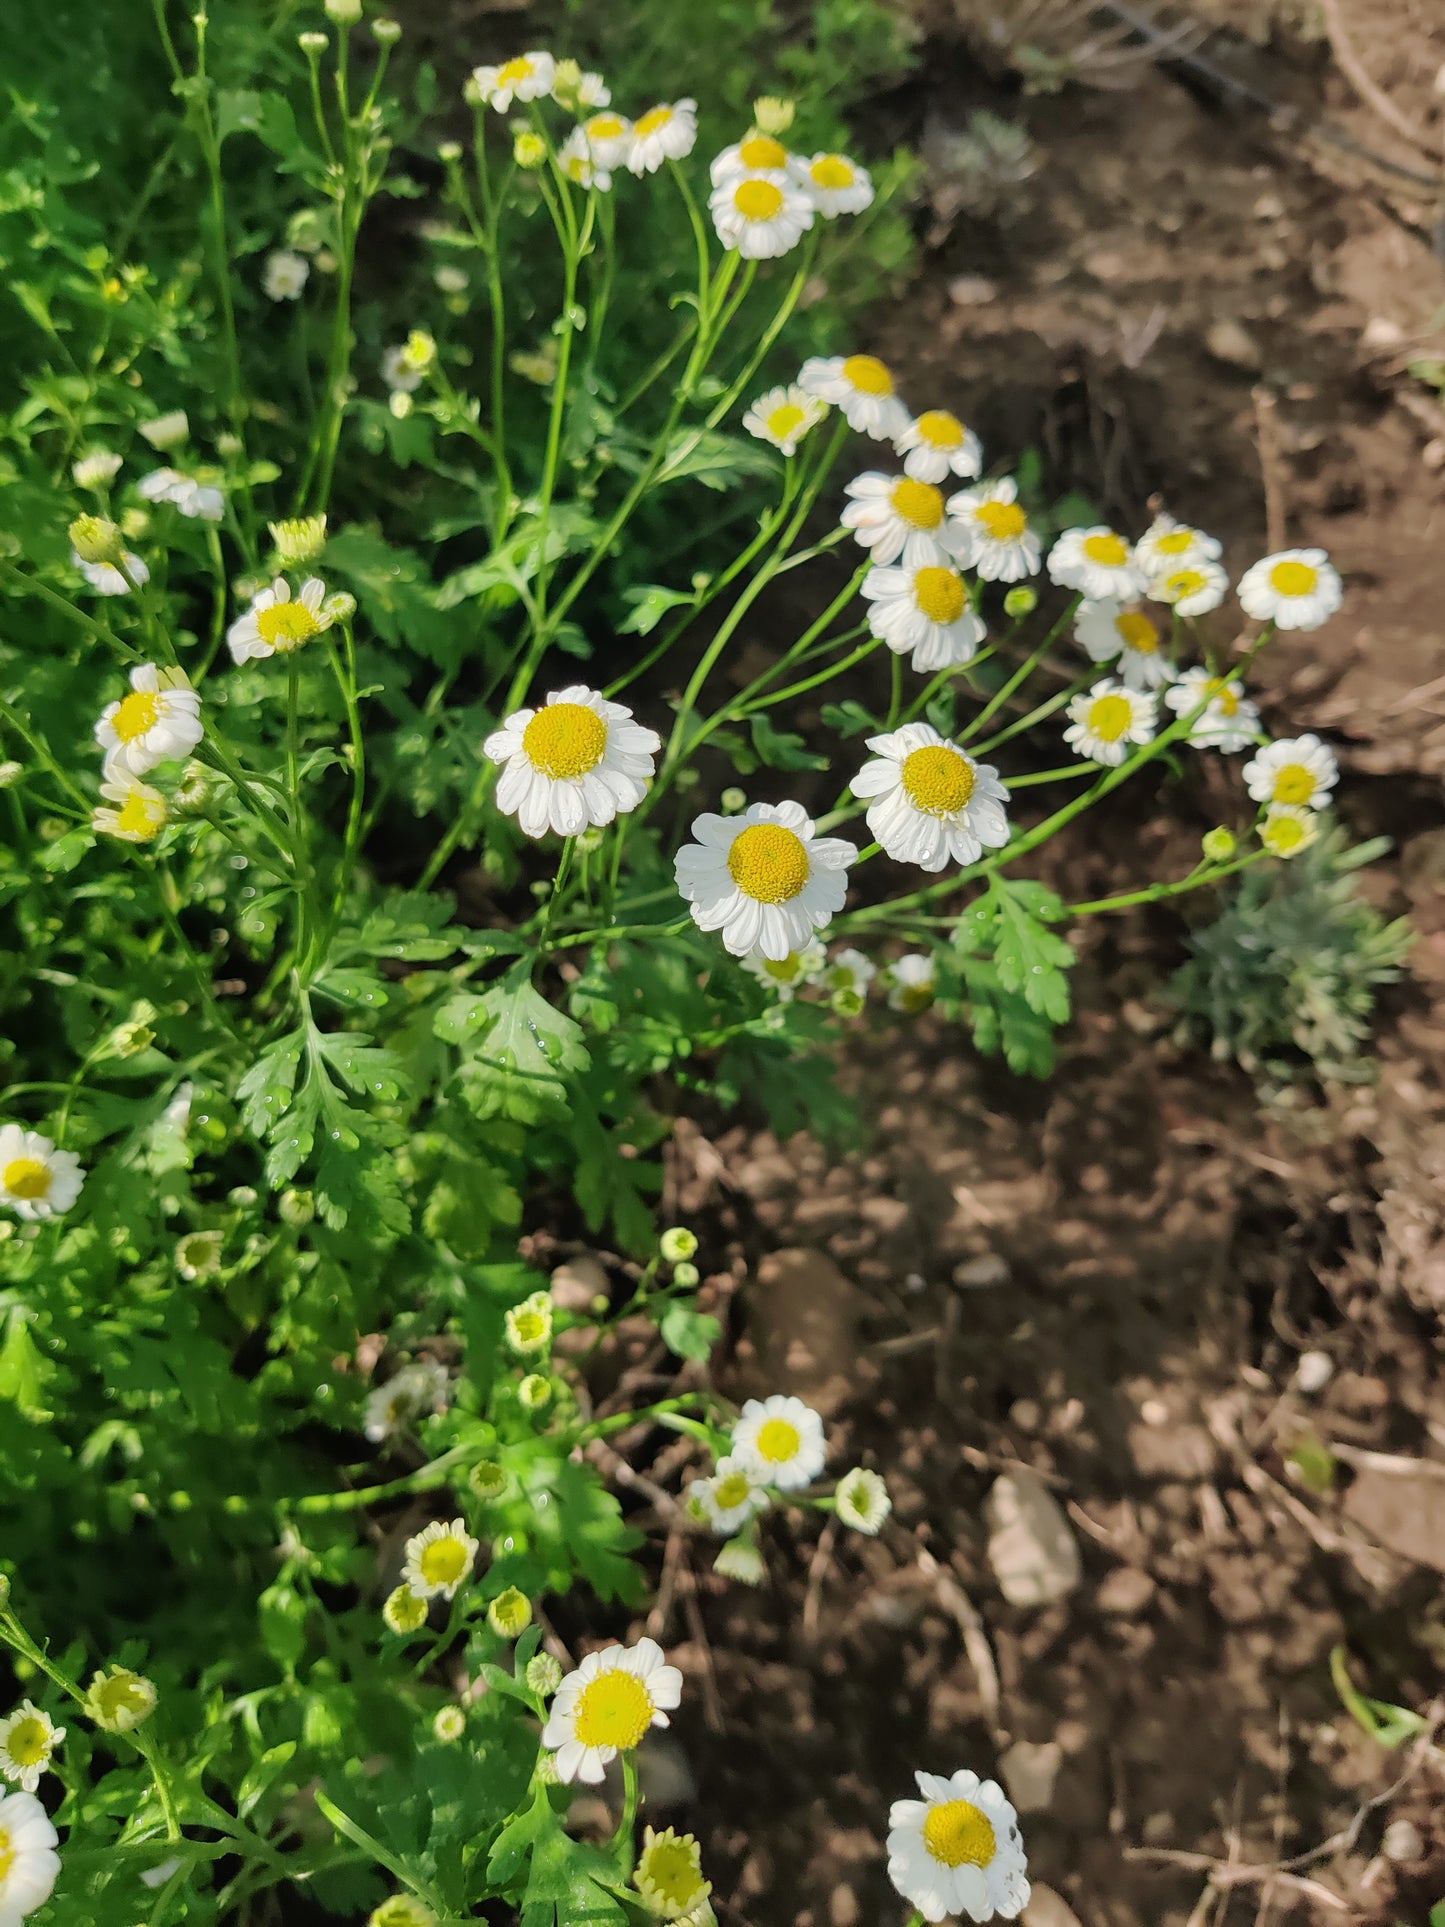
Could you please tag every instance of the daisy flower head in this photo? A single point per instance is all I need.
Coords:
(1287, 829)
(524, 77)
(760, 215)
(168, 430)
(1301, 770)
(765, 879)
(278, 622)
(1296, 589)
(29, 1864)
(1105, 722)
(439, 1558)
(28, 1738)
(780, 1441)
(912, 983)
(1191, 588)
(783, 417)
(930, 802)
(1229, 722)
(419, 1388)
(97, 468)
(578, 160)
(606, 1707)
(862, 1501)
(398, 372)
(578, 91)
(668, 1874)
(198, 501)
(862, 386)
(106, 579)
(834, 184)
(996, 537)
(1167, 544)
(666, 132)
(894, 515)
(756, 153)
(1098, 562)
(1122, 633)
(578, 760)
(785, 976)
(159, 719)
(957, 1850)
(926, 608)
(299, 540)
(609, 137)
(285, 275)
(133, 811)
(730, 1497)
(936, 445)
(850, 973)
(529, 1325)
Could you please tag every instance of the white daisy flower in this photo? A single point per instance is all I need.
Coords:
(1287, 829)
(36, 1180)
(439, 1558)
(278, 622)
(783, 417)
(893, 515)
(28, 1737)
(756, 154)
(912, 982)
(932, 803)
(927, 609)
(834, 184)
(761, 215)
(851, 972)
(198, 501)
(592, 91)
(1110, 631)
(398, 372)
(1301, 770)
(664, 133)
(158, 720)
(764, 879)
(1231, 721)
(525, 77)
(578, 161)
(139, 814)
(106, 579)
(418, 1388)
(862, 1501)
(936, 445)
(285, 275)
(96, 468)
(578, 760)
(957, 1850)
(862, 387)
(785, 976)
(730, 1497)
(29, 1864)
(997, 539)
(607, 1706)
(610, 138)
(166, 431)
(1105, 722)
(780, 1441)
(1296, 589)
(1191, 588)
(1167, 544)
(1097, 562)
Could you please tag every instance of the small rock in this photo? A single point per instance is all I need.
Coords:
(1269, 207)
(1314, 1371)
(1403, 1841)
(577, 1282)
(1125, 1592)
(843, 1906)
(802, 1316)
(971, 291)
(1402, 1507)
(1382, 334)
(1031, 1547)
(982, 1273)
(1047, 1908)
(1029, 1771)
(1183, 1452)
(1232, 343)
(1433, 453)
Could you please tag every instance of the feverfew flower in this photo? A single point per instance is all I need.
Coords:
(299, 540)
(957, 1850)
(757, 154)
(850, 972)
(28, 1737)
(448, 1724)
(761, 215)
(664, 133)
(1301, 770)
(95, 468)
(609, 136)
(1230, 722)
(510, 1613)
(159, 719)
(927, 609)
(106, 579)
(526, 77)
(1112, 631)
(862, 1501)
(1191, 588)
(729, 1498)
(439, 1558)
(133, 811)
(607, 1705)
(95, 538)
(285, 275)
(1167, 544)
(764, 879)
(402, 1910)
(529, 1325)
(574, 90)
(578, 760)
(912, 983)
(936, 445)
(780, 1441)
(783, 417)
(996, 538)
(894, 515)
(668, 1874)
(834, 184)
(1107, 720)
(862, 387)
(1287, 829)
(578, 161)
(397, 371)
(932, 803)
(119, 1700)
(740, 1559)
(278, 622)
(785, 976)
(198, 501)
(1296, 589)
(409, 1394)
(404, 1611)
(29, 1864)
(167, 431)
(1095, 561)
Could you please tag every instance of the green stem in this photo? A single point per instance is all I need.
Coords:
(425, 1479)
(1206, 874)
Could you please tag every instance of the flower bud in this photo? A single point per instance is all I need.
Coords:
(1219, 845)
(5, 1601)
(510, 1614)
(312, 44)
(167, 431)
(129, 1040)
(95, 538)
(400, 403)
(386, 31)
(1020, 601)
(544, 1675)
(733, 800)
(118, 1699)
(449, 153)
(529, 150)
(773, 116)
(529, 1325)
(487, 1480)
(450, 1724)
(345, 13)
(95, 469)
(299, 540)
(404, 1611)
(402, 1910)
(295, 1207)
(198, 1255)
(535, 1392)
(685, 1275)
(677, 1243)
(10, 774)
(341, 606)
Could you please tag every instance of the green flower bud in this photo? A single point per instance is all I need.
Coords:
(345, 13)
(312, 44)
(773, 116)
(733, 800)
(678, 1243)
(449, 153)
(510, 1614)
(404, 1611)
(198, 1255)
(402, 1910)
(529, 150)
(544, 1675)
(1021, 601)
(450, 1724)
(487, 1480)
(299, 540)
(686, 1276)
(535, 1392)
(119, 1699)
(296, 1207)
(386, 30)
(1219, 845)
(129, 1040)
(10, 774)
(95, 538)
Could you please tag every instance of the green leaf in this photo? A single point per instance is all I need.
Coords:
(516, 1840)
(265, 1092)
(266, 1770)
(24, 1368)
(848, 718)
(650, 604)
(1031, 960)
(688, 1332)
(1390, 1725)
(519, 1066)
(782, 749)
(282, 1612)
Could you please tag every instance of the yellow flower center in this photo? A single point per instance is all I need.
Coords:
(1294, 578)
(1183, 583)
(565, 739)
(139, 816)
(958, 1834)
(769, 863)
(1285, 835)
(867, 374)
(916, 998)
(605, 127)
(122, 1696)
(732, 1490)
(940, 593)
(286, 625)
(785, 969)
(778, 1441)
(1138, 632)
(531, 1327)
(28, 1178)
(832, 171)
(786, 420)
(669, 1874)
(140, 711)
(1174, 542)
(758, 200)
(761, 150)
(939, 780)
(1224, 699)
(918, 502)
(444, 1561)
(615, 1710)
(7, 1856)
(940, 429)
(1112, 550)
(653, 121)
(1005, 521)
(1294, 784)
(1110, 717)
(29, 1742)
(514, 70)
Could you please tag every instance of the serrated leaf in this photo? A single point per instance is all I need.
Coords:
(650, 603)
(266, 1091)
(783, 749)
(529, 1048)
(847, 718)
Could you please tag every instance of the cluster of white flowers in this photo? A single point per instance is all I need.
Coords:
(764, 199)
(157, 722)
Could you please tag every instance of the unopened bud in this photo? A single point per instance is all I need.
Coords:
(449, 153)
(95, 538)
(299, 540)
(685, 1275)
(529, 150)
(535, 1392)
(449, 1724)
(1021, 601)
(10, 774)
(119, 1699)
(1219, 845)
(386, 30)
(345, 13)
(96, 469)
(677, 1243)
(733, 800)
(296, 1207)
(773, 116)
(312, 44)
(487, 1479)
(167, 431)
(510, 1614)
(544, 1675)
